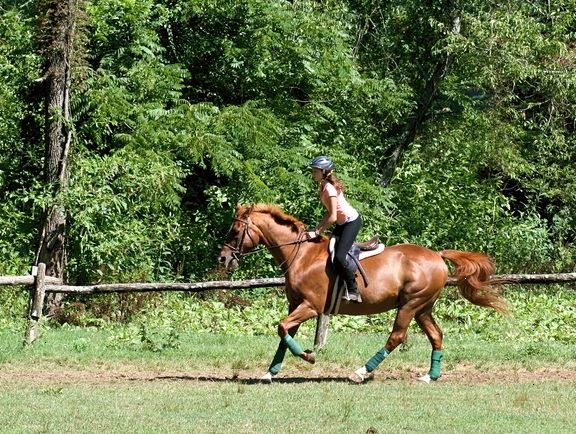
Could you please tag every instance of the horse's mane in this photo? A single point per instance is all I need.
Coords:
(278, 215)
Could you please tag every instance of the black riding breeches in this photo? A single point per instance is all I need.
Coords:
(347, 235)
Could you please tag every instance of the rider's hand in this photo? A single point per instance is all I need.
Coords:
(311, 235)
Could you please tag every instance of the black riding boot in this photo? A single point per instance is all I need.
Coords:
(351, 285)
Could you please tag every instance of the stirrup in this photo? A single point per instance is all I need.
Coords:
(352, 296)
(356, 298)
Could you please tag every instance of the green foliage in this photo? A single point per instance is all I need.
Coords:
(121, 206)
(18, 166)
(13, 305)
(18, 66)
(455, 203)
(520, 64)
(17, 234)
(539, 315)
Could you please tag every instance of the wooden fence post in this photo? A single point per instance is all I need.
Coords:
(36, 304)
(321, 330)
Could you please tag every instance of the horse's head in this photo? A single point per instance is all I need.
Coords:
(242, 237)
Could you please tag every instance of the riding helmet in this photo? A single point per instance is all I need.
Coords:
(322, 162)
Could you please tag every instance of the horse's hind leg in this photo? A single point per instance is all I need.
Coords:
(434, 333)
(404, 315)
(286, 330)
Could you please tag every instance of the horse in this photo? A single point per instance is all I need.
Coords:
(405, 277)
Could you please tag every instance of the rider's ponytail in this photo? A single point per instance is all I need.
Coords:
(332, 179)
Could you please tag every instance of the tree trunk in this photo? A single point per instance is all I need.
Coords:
(409, 133)
(59, 28)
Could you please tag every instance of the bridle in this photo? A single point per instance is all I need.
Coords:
(238, 254)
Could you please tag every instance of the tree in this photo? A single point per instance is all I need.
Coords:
(58, 33)
(425, 100)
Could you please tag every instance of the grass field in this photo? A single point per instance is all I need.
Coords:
(190, 405)
(80, 380)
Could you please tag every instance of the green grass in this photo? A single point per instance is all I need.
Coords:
(84, 380)
(327, 407)
(92, 346)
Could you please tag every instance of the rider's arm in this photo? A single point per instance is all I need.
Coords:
(329, 217)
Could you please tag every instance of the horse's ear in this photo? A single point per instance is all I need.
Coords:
(242, 210)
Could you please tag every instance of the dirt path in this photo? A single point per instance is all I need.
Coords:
(460, 374)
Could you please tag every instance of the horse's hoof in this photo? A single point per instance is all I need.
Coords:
(425, 379)
(266, 378)
(360, 375)
(355, 378)
(309, 356)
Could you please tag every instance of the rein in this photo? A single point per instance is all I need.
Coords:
(238, 254)
(237, 251)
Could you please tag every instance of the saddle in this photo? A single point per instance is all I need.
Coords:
(372, 244)
(357, 252)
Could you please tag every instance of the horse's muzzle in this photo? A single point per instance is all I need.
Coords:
(228, 261)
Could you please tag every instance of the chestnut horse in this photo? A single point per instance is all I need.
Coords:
(405, 277)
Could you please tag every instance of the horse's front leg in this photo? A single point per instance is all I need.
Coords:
(286, 330)
(276, 364)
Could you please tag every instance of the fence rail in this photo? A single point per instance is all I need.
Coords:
(54, 285)
(155, 287)
(26, 280)
(42, 284)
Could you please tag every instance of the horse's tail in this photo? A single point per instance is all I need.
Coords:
(473, 278)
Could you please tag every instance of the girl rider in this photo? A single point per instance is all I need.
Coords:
(339, 211)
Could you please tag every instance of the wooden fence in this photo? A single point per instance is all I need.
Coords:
(40, 284)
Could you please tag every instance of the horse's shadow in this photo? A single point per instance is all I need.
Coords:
(246, 381)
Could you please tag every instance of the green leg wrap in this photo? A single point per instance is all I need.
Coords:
(434, 372)
(376, 359)
(292, 345)
(278, 359)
